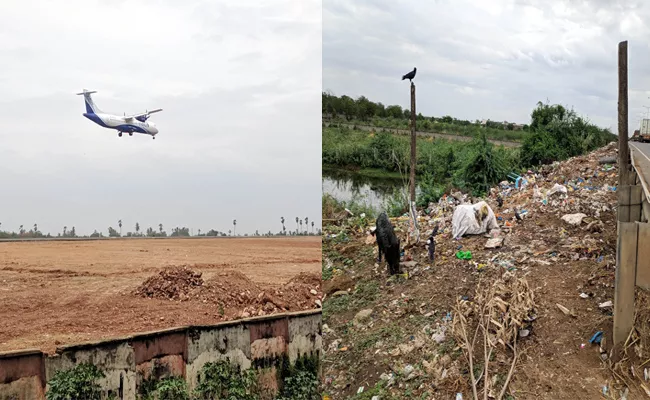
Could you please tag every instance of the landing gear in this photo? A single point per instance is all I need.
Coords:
(119, 134)
(130, 133)
(153, 137)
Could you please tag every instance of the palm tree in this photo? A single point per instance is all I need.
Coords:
(297, 225)
(137, 227)
(282, 220)
(35, 228)
(306, 224)
(234, 227)
(229, 232)
(119, 223)
(199, 232)
(65, 228)
(312, 226)
(300, 227)
(160, 227)
(21, 230)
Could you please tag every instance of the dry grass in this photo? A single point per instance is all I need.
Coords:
(501, 308)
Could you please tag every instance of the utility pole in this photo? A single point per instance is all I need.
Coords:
(413, 211)
(413, 147)
(623, 148)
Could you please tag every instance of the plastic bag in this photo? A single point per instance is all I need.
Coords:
(465, 222)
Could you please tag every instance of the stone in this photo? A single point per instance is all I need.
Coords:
(574, 219)
(314, 292)
(362, 316)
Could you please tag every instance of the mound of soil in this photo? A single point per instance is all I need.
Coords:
(176, 283)
(306, 278)
(233, 292)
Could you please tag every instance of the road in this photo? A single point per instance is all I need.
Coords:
(430, 134)
(641, 159)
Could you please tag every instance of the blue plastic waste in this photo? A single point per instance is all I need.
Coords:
(596, 338)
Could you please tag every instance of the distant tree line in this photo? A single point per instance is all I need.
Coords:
(394, 116)
(160, 232)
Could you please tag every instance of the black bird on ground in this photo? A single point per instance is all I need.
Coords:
(410, 75)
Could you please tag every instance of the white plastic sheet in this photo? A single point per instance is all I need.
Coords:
(464, 221)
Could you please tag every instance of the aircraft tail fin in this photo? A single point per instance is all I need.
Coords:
(91, 108)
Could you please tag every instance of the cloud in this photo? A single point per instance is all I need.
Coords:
(239, 135)
(488, 59)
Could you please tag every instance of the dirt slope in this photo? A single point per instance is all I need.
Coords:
(383, 336)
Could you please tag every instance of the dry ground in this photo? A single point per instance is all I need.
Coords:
(65, 292)
(559, 261)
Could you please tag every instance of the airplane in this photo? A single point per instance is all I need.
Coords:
(128, 123)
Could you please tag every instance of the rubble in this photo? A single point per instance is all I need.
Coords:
(566, 233)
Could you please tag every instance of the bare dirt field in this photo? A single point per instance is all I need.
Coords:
(55, 293)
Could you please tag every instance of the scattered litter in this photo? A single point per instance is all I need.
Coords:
(565, 310)
(584, 295)
(596, 338)
(574, 219)
(464, 255)
(494, 243)
(607, 304)
(473, 219)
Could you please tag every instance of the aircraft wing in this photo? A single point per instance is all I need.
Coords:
(146, 113)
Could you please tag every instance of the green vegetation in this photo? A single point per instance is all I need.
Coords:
(79, 382)
(222, 380)
(217, 380)
(555, 134)
(365, 112)
(172, 388)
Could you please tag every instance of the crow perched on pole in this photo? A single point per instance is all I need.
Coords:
(410, 75)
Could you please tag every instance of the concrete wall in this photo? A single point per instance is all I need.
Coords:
(263, 343)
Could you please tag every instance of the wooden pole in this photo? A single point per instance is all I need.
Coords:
(413, 146)
(623, 148)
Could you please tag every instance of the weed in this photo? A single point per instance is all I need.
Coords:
(223, 380)
(78, 383)
(172, 389)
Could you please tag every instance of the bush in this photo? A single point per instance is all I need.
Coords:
(301, 385)
(222, 380)
(79, 383)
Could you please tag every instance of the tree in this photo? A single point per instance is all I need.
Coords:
(282, 220)
(199, 232)
(65, 229)
(234, 227)
(300, 232)
(312, 226)
(119, 223)
(160, 227)
(35, 228)
(21, 230)
(306, 224)
(297, 219)
(484, 168)
(395, 112)
(112, 232)
(229, 232)
(137, 228)
(73, 233)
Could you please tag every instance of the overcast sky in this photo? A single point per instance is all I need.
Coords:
(489, 59)
(240, 137)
